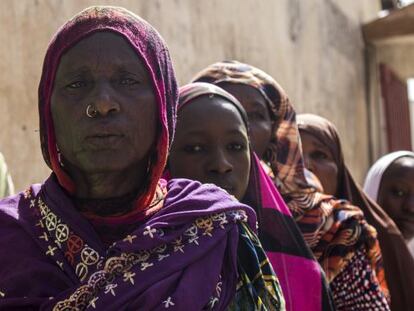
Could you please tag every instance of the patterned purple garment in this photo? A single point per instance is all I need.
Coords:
(53, 257)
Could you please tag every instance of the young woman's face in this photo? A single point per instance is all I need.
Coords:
(260, 123)
(396, 194)
(319, 160)
(211, 145)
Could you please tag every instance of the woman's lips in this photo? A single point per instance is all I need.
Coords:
(104, 141)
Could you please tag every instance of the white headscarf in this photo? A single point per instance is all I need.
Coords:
(374, 176)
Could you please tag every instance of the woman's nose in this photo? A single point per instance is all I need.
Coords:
(219, 163)
(105, 101)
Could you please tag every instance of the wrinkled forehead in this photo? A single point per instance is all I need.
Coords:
(108, 29)
(101, 50)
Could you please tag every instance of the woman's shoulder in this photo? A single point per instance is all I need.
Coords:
(12, 207)
(17, 240)
(187, 190)
(184, 187)
(16, 223)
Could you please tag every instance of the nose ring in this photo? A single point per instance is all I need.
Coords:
(91, 111)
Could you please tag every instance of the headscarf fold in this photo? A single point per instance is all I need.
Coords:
(285, 247)
(398, 264)
(153, 52)
(333, 229)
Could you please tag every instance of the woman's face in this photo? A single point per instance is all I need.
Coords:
(260, 123)
(211, 145)
(103, 71)
(396, 194)
(319, 160)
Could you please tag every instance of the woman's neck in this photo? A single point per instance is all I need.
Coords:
(107, 207)
(107, 184)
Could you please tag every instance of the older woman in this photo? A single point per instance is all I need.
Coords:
(337, 233)
(323, 156)
(211, 145)
(103, 231)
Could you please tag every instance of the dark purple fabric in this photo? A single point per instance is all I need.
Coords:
(182, 275)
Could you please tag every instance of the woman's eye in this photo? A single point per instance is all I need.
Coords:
(398, 192)
(319, 155)
(236, 147)
(193, 148)
(128, 81)
(76, 85)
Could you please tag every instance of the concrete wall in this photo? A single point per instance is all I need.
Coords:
(313, 48)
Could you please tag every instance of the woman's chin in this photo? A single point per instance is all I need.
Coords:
(105, 163)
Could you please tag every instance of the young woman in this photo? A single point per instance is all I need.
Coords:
(212, 146)
(337, 232)
(323, 156)
(390, 182)
(104, 231)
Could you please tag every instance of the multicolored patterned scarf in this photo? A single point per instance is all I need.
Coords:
(288, 253)
(334, 230)
(398, 264)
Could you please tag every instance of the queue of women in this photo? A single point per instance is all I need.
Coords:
(210, 196)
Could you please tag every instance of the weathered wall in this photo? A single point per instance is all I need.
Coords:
(397, 54)
(313, 48)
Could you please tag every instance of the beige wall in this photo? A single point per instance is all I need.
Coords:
(312, 47)
(397, 53)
